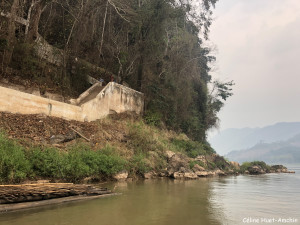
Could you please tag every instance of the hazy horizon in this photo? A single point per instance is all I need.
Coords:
(257, 47)
(255, 127)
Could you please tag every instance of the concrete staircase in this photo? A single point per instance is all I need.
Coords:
(88, 95)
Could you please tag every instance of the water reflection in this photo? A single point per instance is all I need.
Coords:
(266, 196)
(158, 202)
(213, 201)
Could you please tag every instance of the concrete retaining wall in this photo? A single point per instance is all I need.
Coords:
(114, 98)
(19, 102)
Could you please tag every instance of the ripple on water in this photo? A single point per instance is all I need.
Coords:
(267, 196)
(216, 201)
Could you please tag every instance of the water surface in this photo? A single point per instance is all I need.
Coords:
(234, 199)
(225, 200)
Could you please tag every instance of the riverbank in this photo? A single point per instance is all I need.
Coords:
(119, 148)
(124, 146)
(205, 201)
(38, 147)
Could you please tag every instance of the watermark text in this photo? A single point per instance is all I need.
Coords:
(273, 220)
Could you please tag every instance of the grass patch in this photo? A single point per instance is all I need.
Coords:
(142, 139)
(191, 148)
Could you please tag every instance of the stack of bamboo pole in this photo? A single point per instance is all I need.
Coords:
(38, 192)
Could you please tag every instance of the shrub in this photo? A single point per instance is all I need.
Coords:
(141, 140)
(46, 162)
(221, 164)
(82, 162)
(191, 148)
(14, 166)
(245, 166)
(207, 148)
(212, 165)
(79, 162)
(153, 118)
(138, 165)
(193, 163)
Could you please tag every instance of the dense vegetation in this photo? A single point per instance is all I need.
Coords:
(155, 46)
(143, 151)
(17, 163)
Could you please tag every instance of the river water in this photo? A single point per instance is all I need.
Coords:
(265, 199)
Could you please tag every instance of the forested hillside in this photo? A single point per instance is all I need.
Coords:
(155, 46)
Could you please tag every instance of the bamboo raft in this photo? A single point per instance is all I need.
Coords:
(14, 197)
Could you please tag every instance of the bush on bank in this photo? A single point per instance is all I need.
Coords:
(143, 151)
(18, 163)
(246, 165)
(14, 166)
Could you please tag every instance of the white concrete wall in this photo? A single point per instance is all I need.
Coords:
(113, 98)
(14, 101)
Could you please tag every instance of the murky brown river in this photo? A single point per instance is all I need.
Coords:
(228, 200)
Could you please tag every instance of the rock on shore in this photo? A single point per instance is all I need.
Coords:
(257, 169)
(181, 166)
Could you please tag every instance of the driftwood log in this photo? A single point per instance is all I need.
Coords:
(37, 192)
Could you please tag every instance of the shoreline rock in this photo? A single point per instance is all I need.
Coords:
(259, 170)
(181, 166)
(121, 176)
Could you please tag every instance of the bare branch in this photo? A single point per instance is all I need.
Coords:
(17, 19)
(118, 10)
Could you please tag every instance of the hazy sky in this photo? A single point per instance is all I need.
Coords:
(258, 46)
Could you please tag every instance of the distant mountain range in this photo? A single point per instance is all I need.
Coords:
(274, 153)
(246, 138)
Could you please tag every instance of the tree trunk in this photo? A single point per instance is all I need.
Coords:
(11, 33)
(28, 17)
(140, 74)
(103, 29)
(34, 21)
